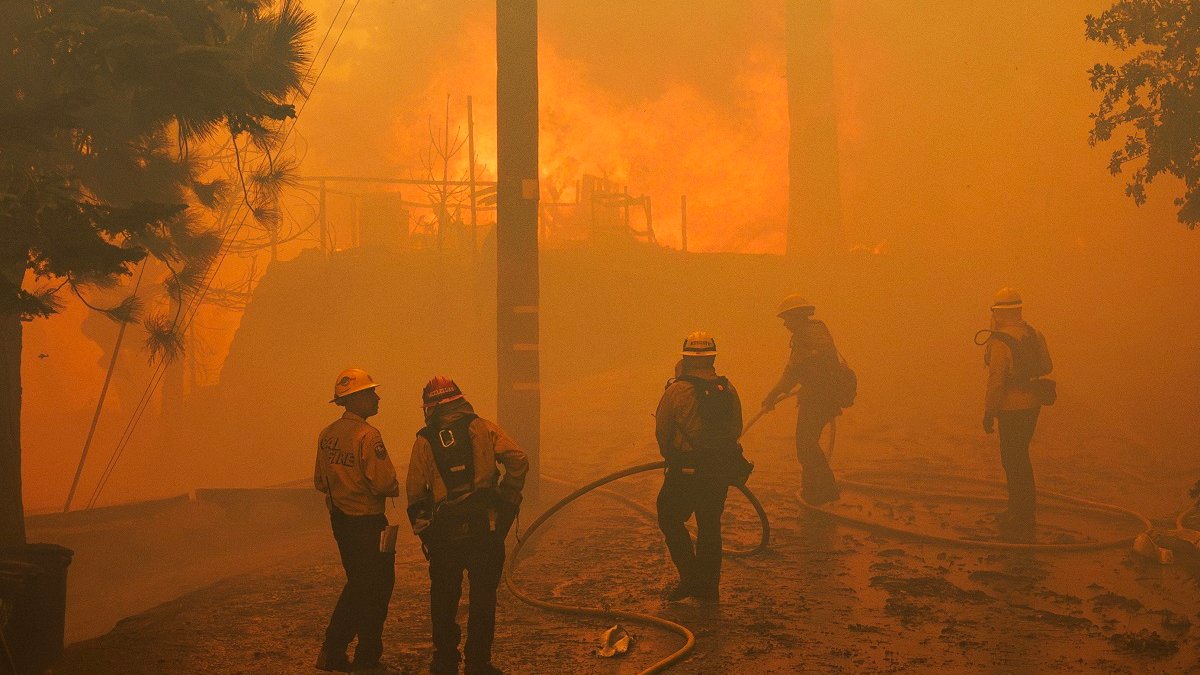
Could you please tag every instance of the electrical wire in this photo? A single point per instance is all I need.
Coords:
(227, 244)
(108, 375)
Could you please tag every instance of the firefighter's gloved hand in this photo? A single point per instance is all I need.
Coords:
(506, 513)
(989, 423)
(770, 401)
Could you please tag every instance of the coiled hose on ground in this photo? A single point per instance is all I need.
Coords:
(579, 610)
(869, 488)
(1087, 504)
(689, 638)
(1181, 519)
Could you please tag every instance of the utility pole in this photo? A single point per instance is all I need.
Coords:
(683, 220)
(517, 348)
(814, 199)
(323, 219)
(471, 180)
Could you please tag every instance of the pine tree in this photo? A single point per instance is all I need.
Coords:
(102, 108)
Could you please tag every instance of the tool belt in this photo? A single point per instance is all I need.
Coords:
(471, 517)
(466, 512)
(729, 465)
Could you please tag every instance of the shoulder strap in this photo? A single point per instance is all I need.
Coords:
(453, 453)
(702, 383)
(1019, 347)
(1005, 338)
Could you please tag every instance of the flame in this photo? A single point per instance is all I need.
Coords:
(729, 158)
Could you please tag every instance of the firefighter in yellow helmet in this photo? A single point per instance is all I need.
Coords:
(356, 475)
(1016, 357)
(462, 506)
(698, 422)
(812, 365)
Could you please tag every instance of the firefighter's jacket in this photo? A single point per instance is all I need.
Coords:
(678, 425)
(811, 362)
(1004, 391)
(491, 446)
(353, 468)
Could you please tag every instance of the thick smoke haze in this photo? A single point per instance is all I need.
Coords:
(962, 145)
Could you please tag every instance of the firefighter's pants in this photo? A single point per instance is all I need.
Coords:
(482, 558)
(1016, 431)
(817, 483)
(699, 563)
(370, 576)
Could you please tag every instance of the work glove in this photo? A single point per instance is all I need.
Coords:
(771, 399)
(989, 423)
(506, 514)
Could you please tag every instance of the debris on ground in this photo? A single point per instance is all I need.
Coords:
(614, 642)
(1144, 643)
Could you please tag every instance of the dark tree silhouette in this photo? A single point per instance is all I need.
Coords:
(102, 108)
(1153, 98)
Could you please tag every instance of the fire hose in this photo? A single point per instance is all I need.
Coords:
(689, 637)
(869, 525)
(597, 485)
(650, 619)
(1085, 504)
(1181, 519)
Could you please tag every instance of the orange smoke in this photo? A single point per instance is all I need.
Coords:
(729, 158)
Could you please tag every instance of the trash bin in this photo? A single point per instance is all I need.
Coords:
(35, 595)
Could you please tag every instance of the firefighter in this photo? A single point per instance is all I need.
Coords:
(462, 507)
(812, 364)
(698, 422)
(356, 475)
(1016, 357)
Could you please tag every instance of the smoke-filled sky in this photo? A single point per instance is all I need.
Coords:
(960, 123)
(962, 134)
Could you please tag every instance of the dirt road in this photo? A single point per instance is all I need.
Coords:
(826, 598)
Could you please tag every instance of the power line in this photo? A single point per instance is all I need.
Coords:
(112, 366)
(227, 244)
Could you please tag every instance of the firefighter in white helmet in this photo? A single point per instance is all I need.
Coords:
(812, 364)
(356, 475)
(462, 507)
(698, 422)
(1017, 358)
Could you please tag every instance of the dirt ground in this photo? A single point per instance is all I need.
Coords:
(827, 597)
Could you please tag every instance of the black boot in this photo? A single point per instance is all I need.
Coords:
(331, 661)
(682, 590)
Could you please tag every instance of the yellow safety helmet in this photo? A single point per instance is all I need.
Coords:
(351, 381)
(792, 303)
(1006, 298)
(699, 343)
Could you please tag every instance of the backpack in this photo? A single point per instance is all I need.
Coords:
(844, 383)
(1028, 363)
(1026, 352)
(466, 512)
(715, 403)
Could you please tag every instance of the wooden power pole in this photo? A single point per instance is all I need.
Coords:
(814, 199)
(517, 355)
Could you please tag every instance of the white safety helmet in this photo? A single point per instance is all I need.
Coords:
(1006, 298)
(699, 343)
